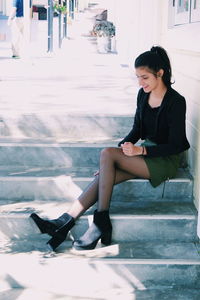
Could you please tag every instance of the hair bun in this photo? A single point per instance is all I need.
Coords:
(156, 49)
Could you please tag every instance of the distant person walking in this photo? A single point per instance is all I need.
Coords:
(16, 21)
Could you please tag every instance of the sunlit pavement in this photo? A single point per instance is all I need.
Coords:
(75, 78)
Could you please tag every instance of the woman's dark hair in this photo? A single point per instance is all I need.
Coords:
(154, 60)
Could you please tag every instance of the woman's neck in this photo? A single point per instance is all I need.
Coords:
(157, 95)
(159, 91)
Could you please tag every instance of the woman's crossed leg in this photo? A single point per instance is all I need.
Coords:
(115, 167)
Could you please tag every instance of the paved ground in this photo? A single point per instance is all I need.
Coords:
(75, 79)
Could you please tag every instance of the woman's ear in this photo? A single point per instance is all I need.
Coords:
(160, 73)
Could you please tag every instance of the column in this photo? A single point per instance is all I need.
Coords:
(27, 31)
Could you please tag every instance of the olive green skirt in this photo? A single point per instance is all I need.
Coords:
(162, 168)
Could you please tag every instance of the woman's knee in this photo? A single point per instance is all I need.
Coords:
(107, 153)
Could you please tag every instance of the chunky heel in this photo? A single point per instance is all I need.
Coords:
(60, 234)
(54, 242)
(106, 238)
(101, 228)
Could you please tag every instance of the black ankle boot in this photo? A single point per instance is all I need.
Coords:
(101, 228)
(49, 226)
(61, 233)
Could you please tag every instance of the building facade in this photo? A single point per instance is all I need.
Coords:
(5, 6)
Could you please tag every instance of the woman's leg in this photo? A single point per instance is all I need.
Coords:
(87, 198)
(110, 160)
(90, 195)
(110, 171)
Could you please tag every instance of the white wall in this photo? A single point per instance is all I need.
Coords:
(183, 44)
(137, 27)
(5, 6)
(82, 4)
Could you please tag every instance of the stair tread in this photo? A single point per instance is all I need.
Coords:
(132, 209)
(164, 222)
(85, 173)
(154, 293)
(88, 276)
(54, 143)
(126, 252)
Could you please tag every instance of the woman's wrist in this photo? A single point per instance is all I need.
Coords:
(143, 150)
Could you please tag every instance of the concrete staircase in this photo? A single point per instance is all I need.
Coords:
(155, 250)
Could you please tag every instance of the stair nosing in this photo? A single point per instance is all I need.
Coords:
(132, 261)
(86, 179)
(61, 145)
(114, 216)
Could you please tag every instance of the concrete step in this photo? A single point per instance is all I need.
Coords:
(178, 293)
(164, 222)
(65, 155)
(64, 126)
(126, 250)
(67, 184)
(65, 274)
(45, 154)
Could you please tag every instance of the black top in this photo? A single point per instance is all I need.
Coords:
(19, 6)
(170, 135)
(150, 115)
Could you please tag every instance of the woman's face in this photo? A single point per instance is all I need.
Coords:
(147, 80)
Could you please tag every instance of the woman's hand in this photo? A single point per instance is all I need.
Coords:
(131, 150)
(96, 173)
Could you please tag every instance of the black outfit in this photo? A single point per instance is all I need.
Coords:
(164, 128)
(150, 116)
(169, 134)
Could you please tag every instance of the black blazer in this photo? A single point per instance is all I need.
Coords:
(170, 135)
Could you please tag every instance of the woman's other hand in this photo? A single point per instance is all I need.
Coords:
(131, 150)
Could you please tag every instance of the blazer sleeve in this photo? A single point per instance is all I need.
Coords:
(176, 140)
(134, 135)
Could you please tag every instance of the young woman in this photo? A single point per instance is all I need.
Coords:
(160, 122)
